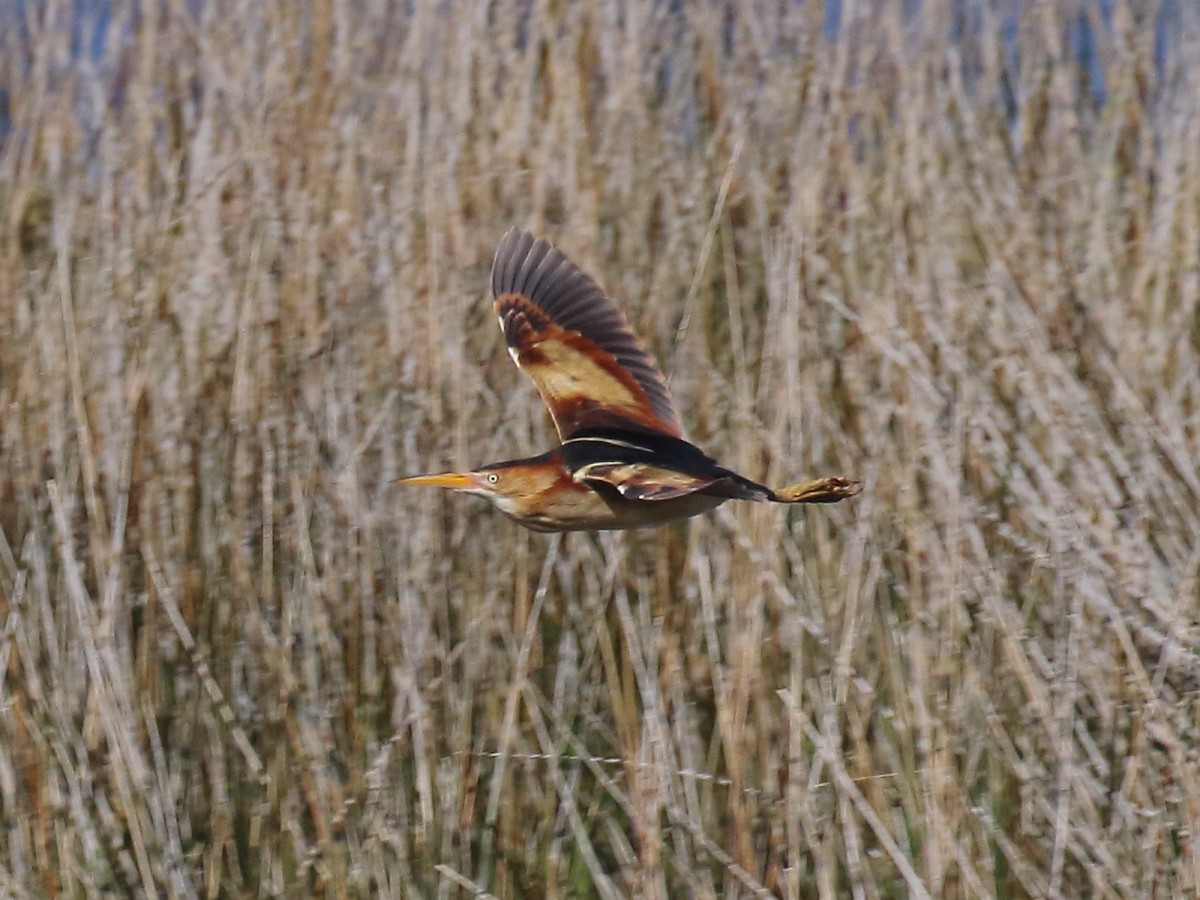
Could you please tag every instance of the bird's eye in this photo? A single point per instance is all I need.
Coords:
(493, 478)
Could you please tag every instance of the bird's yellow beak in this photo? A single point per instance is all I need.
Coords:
(452, 480)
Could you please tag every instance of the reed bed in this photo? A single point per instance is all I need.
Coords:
(952, 248)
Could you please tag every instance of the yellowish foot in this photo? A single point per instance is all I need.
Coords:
(822, 490)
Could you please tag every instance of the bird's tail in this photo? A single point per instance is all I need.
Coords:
(822, 490)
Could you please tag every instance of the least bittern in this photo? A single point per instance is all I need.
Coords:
(623, 462)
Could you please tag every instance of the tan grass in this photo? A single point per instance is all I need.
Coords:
(243, 269)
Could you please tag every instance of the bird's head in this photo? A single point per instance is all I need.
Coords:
(514, 487)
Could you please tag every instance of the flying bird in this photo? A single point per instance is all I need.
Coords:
(622, 461)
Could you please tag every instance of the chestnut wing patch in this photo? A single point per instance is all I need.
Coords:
(576, 345)
(639, 481)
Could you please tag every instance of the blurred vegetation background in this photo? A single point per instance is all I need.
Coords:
(951, 247)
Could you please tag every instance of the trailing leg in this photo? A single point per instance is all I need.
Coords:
(821, 490)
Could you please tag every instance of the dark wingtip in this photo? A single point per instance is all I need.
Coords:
(511, 252)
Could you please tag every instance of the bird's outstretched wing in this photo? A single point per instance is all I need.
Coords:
(576, 345)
